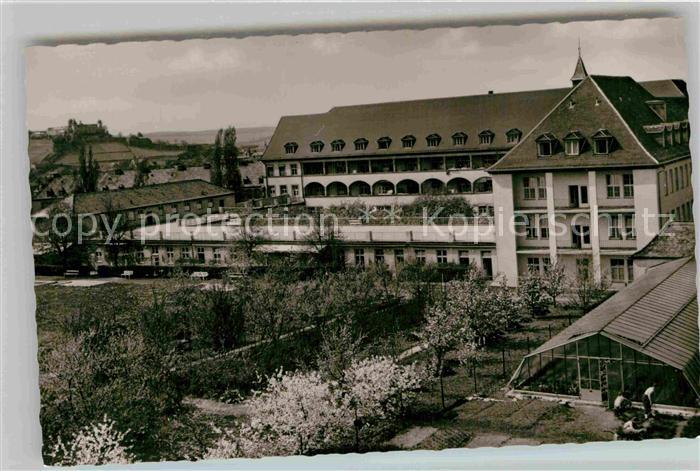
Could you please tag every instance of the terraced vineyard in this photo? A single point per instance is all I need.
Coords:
(117, 151)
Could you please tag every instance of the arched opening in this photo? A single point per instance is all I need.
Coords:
(407, 187)
(432, 185)
(314, 189)
(383, 187)
(483, 185)
(336, 189)
(360, 189)
(459, 185)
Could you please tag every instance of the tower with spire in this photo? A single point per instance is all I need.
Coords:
(580, 70)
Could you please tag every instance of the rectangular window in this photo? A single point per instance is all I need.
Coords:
(398, 256)
(217, 255)
(441, 256)
(617, 269)
(628, 185)
(533, 265)
(360, 257)
(675, 173)
(270, 170)
(283, 189)
(544, 226)
(420, 256)
(464, 257)
(665, 184)
(630, 227)
(601, 146)
(534, 188)
(531, 227)
(613, 183)
(282, 169)
(293, 169)
(170, 254)
(185, 253)
(572, 147)
(614, 231)
(379, 255)
(544, 149)
(98, 254)
(295, 190)
(200, 254)
(272, 191)
(669, 178)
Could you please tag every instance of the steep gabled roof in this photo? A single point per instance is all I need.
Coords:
(616, 104)
(498, 112)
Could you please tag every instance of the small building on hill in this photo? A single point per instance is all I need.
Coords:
(647, 333)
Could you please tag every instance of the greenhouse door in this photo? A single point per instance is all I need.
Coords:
(591, 375)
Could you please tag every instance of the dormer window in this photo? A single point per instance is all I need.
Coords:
(546, 144)
(486, 137)
(384, 142)
(573, 143)
(513, 135)
(337, 145)
(433, 140)
(408, 141)
(290, 148)
(459, 139)
(361, 143)
(316, 146)
(602, 142)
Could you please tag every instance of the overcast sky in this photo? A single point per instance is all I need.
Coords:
(206, 84)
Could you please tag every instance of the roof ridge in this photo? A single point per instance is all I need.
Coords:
(452, 97)
(622, 119)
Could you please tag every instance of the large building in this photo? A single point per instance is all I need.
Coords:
(586, 174)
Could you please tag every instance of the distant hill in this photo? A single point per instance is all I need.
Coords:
(246, 136)
(114, 151)
(39, 149)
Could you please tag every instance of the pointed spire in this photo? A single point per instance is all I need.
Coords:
(580, 72)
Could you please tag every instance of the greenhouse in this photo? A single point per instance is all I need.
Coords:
(646, 334)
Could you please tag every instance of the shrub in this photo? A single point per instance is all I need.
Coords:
(96, 444)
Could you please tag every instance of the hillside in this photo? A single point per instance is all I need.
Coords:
(39, 149)
(246, 136)
(117, 151)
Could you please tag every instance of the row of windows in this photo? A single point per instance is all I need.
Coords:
(621, 269)
(617, 186)
(407, 142)
(185, 253)
(683, 212)
(420, 256)
(575, 143)
(385, 165)
(677, 178)
(621, 227)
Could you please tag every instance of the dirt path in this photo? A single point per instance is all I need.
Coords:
(209, 406)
